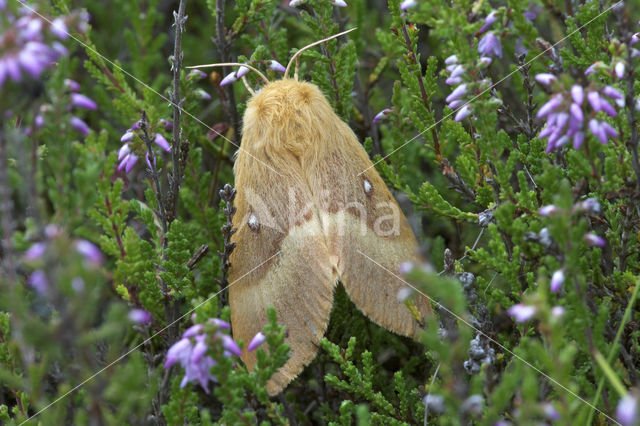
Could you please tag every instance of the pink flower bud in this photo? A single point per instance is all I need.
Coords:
(545, 78)
(522, 312)
(257, 340)
(557, 280)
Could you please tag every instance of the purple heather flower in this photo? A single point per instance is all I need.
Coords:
(612, 93)
(627, 410)
(229, 344)
(405, 267)
(403, 294)
(51, 231)
(463, 113)
(553, 103)
(455, 104)
(381, 115)
(257, 340)
(202, 94)
(72, 85)
(192, 331)
(453, 59)
(339, 3)
(457, 93)
(490, 45)
(522, 312)
(196, 74)
(577, 93)
(458, 70)
(79, 125)
(160, 140)
(557, 280)
(148, 161)
(595, 101)
(59, 29)
(128, 161)
(635, 39)
(489, 20)
(608, 129)
(557, 311)
(38, 281)
(597, 130)
(576, 113)
(220, 323)
(485, 60)
(178, 352)
(545, 78)
(590, 205)
(35, 251)
(89, 250)
(140, 316)
(619, 69)
(38, 121)
(594, 67)
(127, 137)
(453, 80)
(242, 71)
(166, 124)
(231, 78)
(276, 66)
(408, 4)
(548, 210)
(550, 411)
(81, 101)
(608, 108)
(124, 151)
(137, 125)
(594, 240)
(200, 348)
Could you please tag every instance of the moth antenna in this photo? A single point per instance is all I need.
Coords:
(232, 64)
(295, 74)
(297, 54)
(246, 84)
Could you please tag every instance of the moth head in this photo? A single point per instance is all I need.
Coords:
(295, 58)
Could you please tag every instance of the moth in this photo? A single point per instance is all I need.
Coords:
(312, 212)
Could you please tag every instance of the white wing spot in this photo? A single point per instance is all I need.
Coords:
(367, 187)
(254, 225)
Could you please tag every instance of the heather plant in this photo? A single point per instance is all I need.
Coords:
(508, 131)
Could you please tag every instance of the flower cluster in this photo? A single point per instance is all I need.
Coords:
(191, 351)
(571, 113)
(469, 82)
(38, 279)
(132, 146)
(234, 76)
(30, 44)
(490, 43)
(523, 312)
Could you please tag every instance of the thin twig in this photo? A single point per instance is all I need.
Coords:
(177, 154)
(227, 194)
(224, 46)
(162, 213)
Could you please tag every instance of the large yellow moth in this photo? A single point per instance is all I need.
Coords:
(305, 205)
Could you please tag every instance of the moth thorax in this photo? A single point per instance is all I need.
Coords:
(368, 188)
(253, 223)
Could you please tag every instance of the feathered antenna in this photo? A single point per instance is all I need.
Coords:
(232, 64)
(297, 54)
